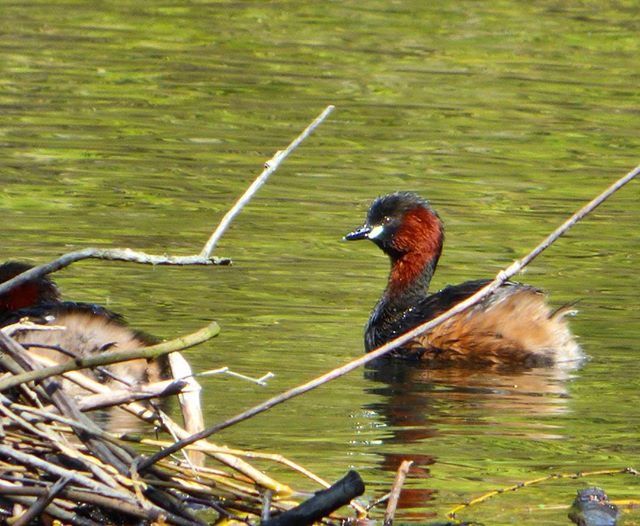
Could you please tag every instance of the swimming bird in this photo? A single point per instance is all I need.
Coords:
(514, 326)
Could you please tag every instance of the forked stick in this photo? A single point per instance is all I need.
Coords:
(204, 258)
(502, 276)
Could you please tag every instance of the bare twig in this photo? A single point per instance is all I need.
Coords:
(394, 496)
(502, 276)
(111, 254)
(126, 396)
(269, 167)
(225, 370)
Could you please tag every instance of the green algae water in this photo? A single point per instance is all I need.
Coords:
(131, 124)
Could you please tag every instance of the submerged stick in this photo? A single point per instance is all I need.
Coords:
(394, 496)
(269, 167)
(502, 276)
(106, 358)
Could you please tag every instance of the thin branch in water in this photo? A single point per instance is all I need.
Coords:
(502, 276)
(269, 167)
(109, 254)
(225, 370)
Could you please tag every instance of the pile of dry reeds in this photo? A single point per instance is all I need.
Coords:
(56, 463)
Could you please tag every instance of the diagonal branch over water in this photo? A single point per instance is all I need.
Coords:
(269, 167)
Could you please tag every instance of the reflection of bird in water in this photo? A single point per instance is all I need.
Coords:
(514, 326)
(416, 397)
(88, 329)
(417, 404)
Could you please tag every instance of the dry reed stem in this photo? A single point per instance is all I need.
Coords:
(207, 447)
(189, 401)
(107, 358)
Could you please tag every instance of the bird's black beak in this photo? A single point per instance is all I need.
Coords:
(359, 233)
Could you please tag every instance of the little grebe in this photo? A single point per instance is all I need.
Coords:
(88, 328)
(512, 327)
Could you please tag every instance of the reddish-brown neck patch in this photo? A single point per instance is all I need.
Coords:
(20, 297)
(419, 242)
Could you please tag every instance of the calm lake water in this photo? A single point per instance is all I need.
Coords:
(132, 124)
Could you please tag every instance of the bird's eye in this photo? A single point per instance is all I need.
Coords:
(386, 220)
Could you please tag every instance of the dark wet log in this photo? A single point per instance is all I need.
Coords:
(322, 504)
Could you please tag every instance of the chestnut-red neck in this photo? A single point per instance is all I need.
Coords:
(20, 297)
(30, 294)
(417, 247)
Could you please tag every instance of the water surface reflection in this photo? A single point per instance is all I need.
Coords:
(418, 405)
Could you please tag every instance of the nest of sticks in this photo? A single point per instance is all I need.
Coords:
(58, 466)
